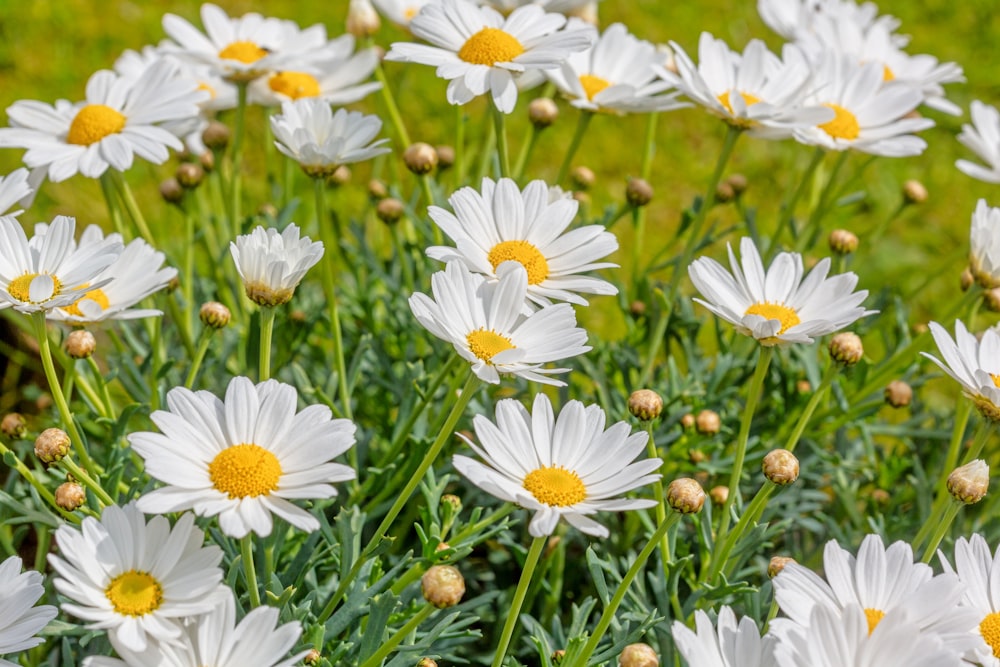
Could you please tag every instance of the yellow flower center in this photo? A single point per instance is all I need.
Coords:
(244, 51)
(775, 311)
(555, 486)
(207, 88)
(996, 380)
(20, 287)
(486, 344)
(92, 123)
(294, 84)
(990, 630)
(265, 295)
(873, 616)
(134, 593)
(887, 74)
(245, 471)
(96, 295)
(410, 12)
(526, 254)
(490, 46)
(844, 124)
(593, 84)
(748, 100)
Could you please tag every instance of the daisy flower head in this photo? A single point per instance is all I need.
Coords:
(984, 245)
(978, 568)
(501, 223)
(244, 457)
(560, 6)
(15, 188)
(615, 75)
(973, 363)
(49, 271)
(487, 324)
(309, 132)
(983, 138)
(122, 117)
(796, 19)
(778, 306)
(566, 467)
(135, 579)
(480, 51)
(21, 620)
(401, 12)
(272, 264)
(731, 644)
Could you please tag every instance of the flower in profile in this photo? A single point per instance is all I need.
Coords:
(731, 644)
(973, 363)
(977, 568)
(135, 579)
(480, 51)
(401, 12)
(15, 188)
(778, 307)
(49, 271)
(243, 458)
(568, 467)
(121, 118)
(21, 620)
(501, 223)
(984, 245)
(272, 264)
(983, 138)
(309, 132)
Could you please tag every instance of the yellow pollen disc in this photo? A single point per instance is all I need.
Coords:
(990, 630)
(245, 51)
(748, 100)
(487, 344)
(92, 123)
(843, 126)
(96, 295)
(526, 254)
(775, 311)
(409, 13)
(490, 46)
(294, 84)
(20, 287)
(996, 380)
(245, 471)
(555, 486)
(211, 91)
(593, 84)
(134, 593)
(873, 616)
(887, 74)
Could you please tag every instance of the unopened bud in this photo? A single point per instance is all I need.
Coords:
(880, 496)
(969, 483)
(420, 158)
(542, 112)
(443, 586)
(738, 182)
(719, 494)
(991, 299)
(843, 241)
(362, 19)
(557, 656)
(637, 309)
(638, 655)
(13, 425)
(724, 192)
(645, 404)
(216, 135)
(377, 189)
(389, 210)
(846, 348)
(214, 314)
(207, 161)
(427, 662)
(446, 156)
(80, 344)
(696, 456)
(312, 657)
(685, 495)
(914, 192)
(190, 175)
(898, 394)
(638, 192)
(452, 501)
(803, 386)
(966, 280)
(171, 191)
(52, 445)
(708, 422)
(780, 467)
(778, 564)
(582, 197)
(583, 178)
(687, 421)
(70, 496)
(340, 176)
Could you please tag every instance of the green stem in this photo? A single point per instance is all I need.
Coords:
(514, 612)
(503, 150)
(390, 104)
(459, 145)
(108, 189)
(950, 512)
(236, 175)
(199, 356)
(86, 479)
(246, 550)
(9, 456)
(755, 508)
(106, 404)
(132, 206)
(527, 148)
(661, 498)
(581, 129)
(789, 211)
(811, 229)
(266, 331)
(807, 413)
(390, 644)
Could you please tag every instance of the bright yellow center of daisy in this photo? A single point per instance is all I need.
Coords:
(245, 51)
(990, 630)
(486, 344)
(490, 46)
(208, 89)
(844, 124)
(96, 295)
(245, 471)
(134, 593)
(775, 311)
(873, 616)
(410, 12)
(593, 84)
(92, 123)
(748, 100)
(996, 380)
(887, 74)
(294, 84)
(20, 287)
(526, 254)
(555, 486)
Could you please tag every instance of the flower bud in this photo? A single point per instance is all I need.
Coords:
(696, 456)
(171, 191)
(453, 501)
(216, 135)
(52, 445)
(583, 178)
(687, 421)
(638, 655)
(780, 467)
(80, 344)
(843, 242)
(542, 112)
(427, 662)
(638, 192)
(214, 315)
(340, 176)
(70, 496)
(685, 495)
(645, 404)
(846, 348)
(207, 161)
(637, 309)
(446, 156)
(389, 210)
(778, 564)
(443, 586)
(13, 425)
(190, 175)
(969, 483)
(377, 189)
(708, 422)
(898, 394)
(420, 158)
(719, 494)
(880, 496)
(738, 182)
(803, 386)
(914, 192)
(724, 193)
(362, 19)
(991, 299)
(966, 280)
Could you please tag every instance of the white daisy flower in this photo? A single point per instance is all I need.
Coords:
(984, 245)
(480, 51)
(49, 271)
(973, 363)
(796, 19)
(136, 579)
(756, 91)
(20, 619)
(310, 133)
(15, 188)
(560, 6)
(869, 114)
(979, 571)
(401, 12)
(731, 645)
(216, 639)
(983, 138)
(243, 458)
(568, 467)
(272, 264)
(486, 323)
(502, 223)
(120, 119)
(617, 74)
(778, 307)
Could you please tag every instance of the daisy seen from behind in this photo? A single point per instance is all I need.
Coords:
(778, 306)
(973, 363)
(137, 579)
(728, 643)
(502, 223)
(20, 619)
(979, 571)
(272, 264)
(480, 51)
(244, 457)
(984, 245)
(559, 467)
(486, 323)
(982, 137)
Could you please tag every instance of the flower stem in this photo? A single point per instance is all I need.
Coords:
(661, 498)
(390, 644)
(581, 129)
(459, 145)
(11, 459)
(503, 150)
(86, 480)
(950, 512)
(514, 612)
(108, 189)
(266, 331)
(199, 356)
(789, 212)
(811, 229)
(132, 207)
(236, 181)
(246, 550)
(526, 150)
(390, 105)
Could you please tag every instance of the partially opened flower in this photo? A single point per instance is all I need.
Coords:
(243, 458)
(272, 264)
(973, 363)
(978, 568)
(778, 307)
(501, 223)
(568, 467)
(731, 644)
(984, 245)
(983, 138)
(20, 619)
